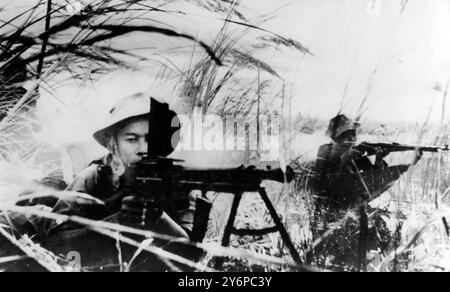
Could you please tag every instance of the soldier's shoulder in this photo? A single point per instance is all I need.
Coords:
(94, 169)
(89, 172)
(327, 145)
(325, 148)
(85, 180)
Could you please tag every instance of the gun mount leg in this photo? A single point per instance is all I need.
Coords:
(229, 228)
(363, 238)
(230, 223)
(363, 224)
(279, 225)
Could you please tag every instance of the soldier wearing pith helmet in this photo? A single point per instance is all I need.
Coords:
(137, 126)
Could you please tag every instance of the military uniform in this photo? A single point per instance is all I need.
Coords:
(96, 180)
(344, 176)
(329, 160)
(342, 181)
(99, 252)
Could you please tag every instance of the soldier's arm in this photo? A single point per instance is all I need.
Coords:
(83, 183)
(183, 211)
(380, 164)
(322, 160)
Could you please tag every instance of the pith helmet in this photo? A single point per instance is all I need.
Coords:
(341, 124)
(164, 123)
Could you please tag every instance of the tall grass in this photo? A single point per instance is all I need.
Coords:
(414, 210)
(42, 42)
(47, 38)
(411, 217)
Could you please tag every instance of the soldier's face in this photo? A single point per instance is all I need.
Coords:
(348, 138)
(132, 141)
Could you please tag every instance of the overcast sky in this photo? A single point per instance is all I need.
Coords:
(410, 52)
(350, 39)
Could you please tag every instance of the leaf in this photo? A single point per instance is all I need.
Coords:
(9, 259)
(80, 198)
(287, 42)
(147, 242)
(444, 220)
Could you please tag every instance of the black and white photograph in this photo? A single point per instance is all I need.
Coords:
(206, 138)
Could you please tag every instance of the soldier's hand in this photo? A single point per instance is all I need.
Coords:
(139, 211)
(351, 154)
(380, 153)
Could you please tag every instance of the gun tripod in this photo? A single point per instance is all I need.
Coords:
(161, 174)
(279, 227)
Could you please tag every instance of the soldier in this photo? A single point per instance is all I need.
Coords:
(126, 135)
(338, 155)
(346, 177)
(344, 174)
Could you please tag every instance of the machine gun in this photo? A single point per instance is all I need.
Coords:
(370, 148)
(159, 179)
(161, 174)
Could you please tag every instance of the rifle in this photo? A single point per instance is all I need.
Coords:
(370, 148)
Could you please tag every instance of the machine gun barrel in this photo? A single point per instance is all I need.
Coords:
(164, 176)
(370, 148)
